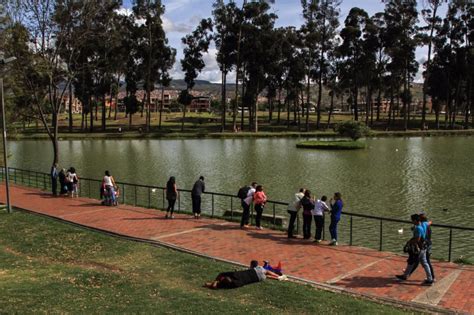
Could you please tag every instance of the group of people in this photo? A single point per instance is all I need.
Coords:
(312, 208)
(68, 181)
(419, 249)
(315, 208)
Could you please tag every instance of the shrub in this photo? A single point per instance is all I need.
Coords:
(352, 129)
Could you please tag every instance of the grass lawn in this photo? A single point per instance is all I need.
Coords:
(48, 266)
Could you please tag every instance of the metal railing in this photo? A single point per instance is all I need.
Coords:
(377, 232)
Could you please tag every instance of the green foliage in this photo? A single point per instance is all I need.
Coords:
(185, 98)
(352, 129)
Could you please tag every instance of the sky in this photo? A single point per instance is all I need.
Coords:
(182, 16)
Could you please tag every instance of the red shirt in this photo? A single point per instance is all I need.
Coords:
(259, 198)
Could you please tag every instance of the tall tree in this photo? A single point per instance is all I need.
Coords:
(225, 37)
(195, 44)
(432, 20)
(401, 17)
(151, 43)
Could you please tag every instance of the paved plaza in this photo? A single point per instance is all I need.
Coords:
(354, 269)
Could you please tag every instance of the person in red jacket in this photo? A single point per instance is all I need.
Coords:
(259, 200)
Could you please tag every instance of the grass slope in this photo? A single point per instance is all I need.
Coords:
(48, 266)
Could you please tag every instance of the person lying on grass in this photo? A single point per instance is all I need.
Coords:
(237, 279)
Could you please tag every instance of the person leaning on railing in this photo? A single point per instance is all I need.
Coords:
(336, 211)
(293, 207)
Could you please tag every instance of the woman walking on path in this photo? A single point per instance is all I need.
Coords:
(73, 180)
(307, 202)
(318, 213)
(293, 207)
(171, 196)
(336, 210)
(259, 200)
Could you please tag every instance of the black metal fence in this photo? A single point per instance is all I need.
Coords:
(449, 242)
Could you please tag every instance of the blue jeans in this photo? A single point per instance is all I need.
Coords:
(110, 195)
(333, 227)
(426, 266)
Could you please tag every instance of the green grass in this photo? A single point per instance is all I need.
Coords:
(332, 145)
(50, 267)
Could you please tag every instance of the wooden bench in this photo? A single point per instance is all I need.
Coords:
(266, 217)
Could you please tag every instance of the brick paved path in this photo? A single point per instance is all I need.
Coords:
(355, 269)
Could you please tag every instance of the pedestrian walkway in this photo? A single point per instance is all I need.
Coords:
(349, 268)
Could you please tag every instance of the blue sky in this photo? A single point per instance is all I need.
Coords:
(182, 16)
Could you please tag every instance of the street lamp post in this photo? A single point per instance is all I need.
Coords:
(4, 61)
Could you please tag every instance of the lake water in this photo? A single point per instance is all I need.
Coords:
(394, 177)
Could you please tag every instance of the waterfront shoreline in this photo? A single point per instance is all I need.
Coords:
(230, 135)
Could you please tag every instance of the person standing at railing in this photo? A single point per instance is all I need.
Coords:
(54, 179)
(73, 182)
(336, 210)
(171, 196)
(307, 202)
(246, 194)
(293, 207)
(259, 200)
(109, 184)
(62, 182)
(318, 212)
(196, 193)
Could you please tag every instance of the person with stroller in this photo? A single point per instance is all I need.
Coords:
(108, 189)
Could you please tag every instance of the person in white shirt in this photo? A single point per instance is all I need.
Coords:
(318, 212)
(244, 222)
(293, 207)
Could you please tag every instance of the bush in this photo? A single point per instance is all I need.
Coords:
(352, 129)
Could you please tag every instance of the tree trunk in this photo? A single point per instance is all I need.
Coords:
(433, 24)
(70, 108)
(308, 99)
(91, 112)
(379, 103)
(330, 109)
(356, 106)
(104, 112)
(161, 105)
(223, 99)
(130, 121)
(320, 92)
(287, 101)
(279, 106)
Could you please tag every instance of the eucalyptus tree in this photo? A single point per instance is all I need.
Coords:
(168, 57)
(151, 42)
(432, 20)
(226, 18)
(195, 44)
(256, 49)
(353, 73)
(401, 17)
(319, 35)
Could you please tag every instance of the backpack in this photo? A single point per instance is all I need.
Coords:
(243, 192)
